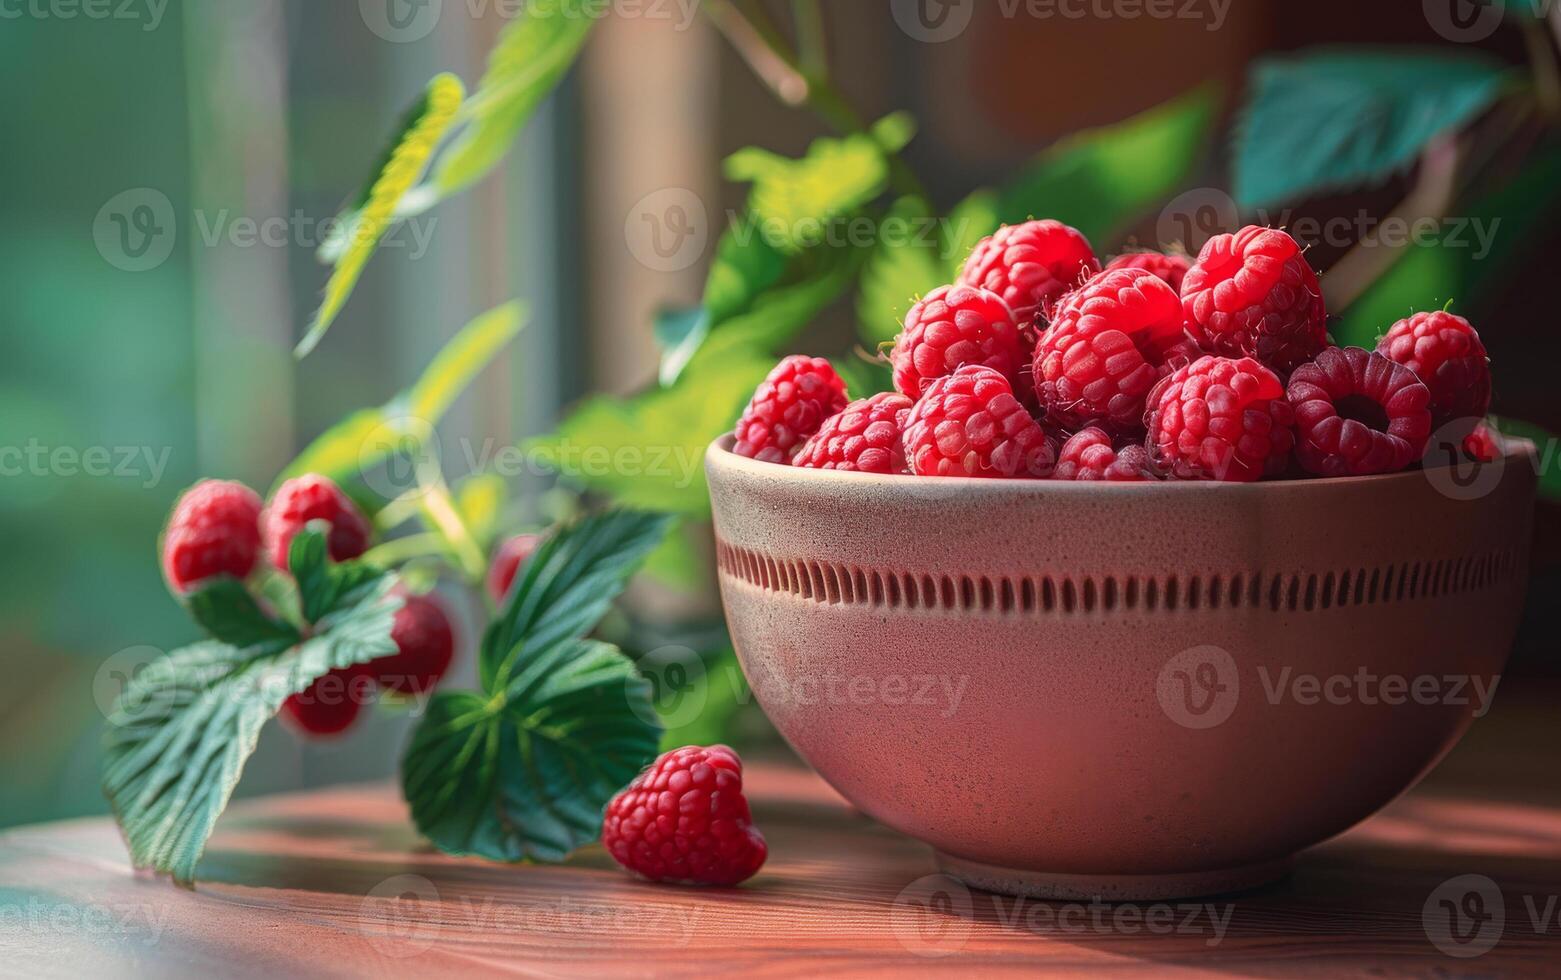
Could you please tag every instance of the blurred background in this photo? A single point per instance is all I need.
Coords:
(171, 166)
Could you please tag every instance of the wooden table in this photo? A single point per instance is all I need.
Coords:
(337, 884)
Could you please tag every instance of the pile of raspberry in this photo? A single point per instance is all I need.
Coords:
(1040, 363)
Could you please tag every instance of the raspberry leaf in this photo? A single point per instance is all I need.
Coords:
(325, 586)
(179, 736)
(229, 614)
(794, 201)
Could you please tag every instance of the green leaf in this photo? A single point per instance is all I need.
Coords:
(403, 165)
(534, 52)
(794, 202)
(177, 740)
(1100, 180)
(228, 613)
(905, 266)
(1339, 118)
(647, 451)
(1546, 443)
(679, 334)
(368, 436)
(324, 586)
(526, 776)
(894, 131)
(972, 219)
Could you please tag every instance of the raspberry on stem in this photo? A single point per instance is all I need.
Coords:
(331, 704)
(313, 497)
(425, 645)
(507, 562)
(790, 405)
(214, 529)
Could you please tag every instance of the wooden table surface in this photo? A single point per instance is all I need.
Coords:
(336, 883)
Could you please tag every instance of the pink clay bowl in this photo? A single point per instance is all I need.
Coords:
(1124, 691)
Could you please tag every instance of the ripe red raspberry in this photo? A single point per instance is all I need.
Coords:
(1356, 412)
(214, 530)
(1221, 418)
(331, 704)
(1252, 294)
(685, 820)
(507, 560)
(970, 424)
(1483, 444)
(1030, 265)
(1446, 354)
(789, 406)
(1090, 455)
(1104, 349)
(425, 645)
(313, 497)
(1169, 266)
(867, 437)
(954, 326)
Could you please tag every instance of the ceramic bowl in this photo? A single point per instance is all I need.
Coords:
(1129, 691)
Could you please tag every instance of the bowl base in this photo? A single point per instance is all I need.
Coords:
(1112, 888)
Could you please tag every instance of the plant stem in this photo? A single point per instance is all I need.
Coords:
(439, 509)
(398, 550)
(810, 37)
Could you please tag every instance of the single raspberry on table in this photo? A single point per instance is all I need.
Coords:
(790, 405)
(1030, 265)
(507, 562)
(951, 327)
(1252, 294)
(214, 529)
(332, 703)
(1090, 455)
(685, 819)
(1169, 266)
(1221, 418)
(1446, 354)
(1105, 349)
(1356, 413)
(868, 436)
(425, 645)
(313, 497)
(970, 424)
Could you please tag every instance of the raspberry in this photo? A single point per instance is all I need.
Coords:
(425, 645)
(685, 820)
(1169, 266)
(313, 497)
(1483, 444)
(331, 704)
(970, 424)
(1103, 350)
(868, 437)
(1030, 265)
(1447, 356)
(1356, 412)
(214, 530)
(1089, 455)
(1221, 418)
(954, 326)
(789, 406)
(1253, 294)
(507, 560)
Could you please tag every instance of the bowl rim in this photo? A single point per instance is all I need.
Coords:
(720, 454)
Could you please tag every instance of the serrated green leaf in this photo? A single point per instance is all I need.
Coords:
(324, 586)
(177, 740)
(1339, 118)
(905, 266)
(1099, 180)
(228, 613)
(647, 451)
(794, 202)
(404, 164)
